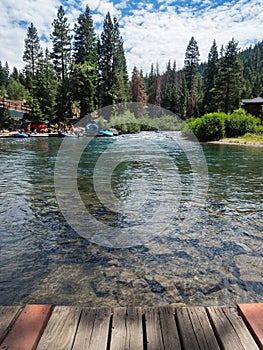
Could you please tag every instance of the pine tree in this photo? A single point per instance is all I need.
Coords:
(61, 40)
(166, 83)
(6, 73)
(46, 87)
(33, 51)
(184, 96)
(137, 86)
(191, 68)
(37, 115)
(22, 78)
(84, 67)
(113, 76)
(154, 96)
(105, 64)
(15, 90)
(229, 82)
(252, 59)
(191, 62)
(61, 56)
(210, 75)
(120, 87)
(137, 91)
(257, 88)
(170, 93)
(14, 74)
(85, 39)
(150, 80)
(2, 77)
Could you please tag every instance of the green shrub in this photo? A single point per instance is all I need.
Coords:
(215, 126)
(148, 124)
(189, 126)
(128, 123)
(101, 122)
(259, 129)
(125, 123)
(239, 123)
(169, 123)
(210, 127)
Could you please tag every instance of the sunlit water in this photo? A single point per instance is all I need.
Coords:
(210, 253)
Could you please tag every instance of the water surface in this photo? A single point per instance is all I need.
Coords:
(216, 259)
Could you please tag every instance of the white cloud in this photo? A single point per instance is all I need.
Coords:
(165, 35)
(149, 35)
(102, 6)
(106, 7)
(13, 34)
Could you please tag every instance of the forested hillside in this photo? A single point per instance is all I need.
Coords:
(88, 71)
(219, 84)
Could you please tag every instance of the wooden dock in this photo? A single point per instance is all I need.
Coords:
(47, 327)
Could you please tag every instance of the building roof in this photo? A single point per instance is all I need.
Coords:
(256, 100)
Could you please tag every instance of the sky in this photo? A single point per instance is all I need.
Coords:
(153, 31)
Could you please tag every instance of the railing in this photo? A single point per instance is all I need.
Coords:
(20, 106)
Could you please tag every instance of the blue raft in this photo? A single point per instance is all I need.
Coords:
(106, 132)
(21, 136)
(63, 134)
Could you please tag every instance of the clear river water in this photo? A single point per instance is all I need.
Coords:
(143, 229)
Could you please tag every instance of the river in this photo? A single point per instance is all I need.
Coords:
(146, 227)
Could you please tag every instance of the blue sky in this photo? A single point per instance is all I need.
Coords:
(153, 31)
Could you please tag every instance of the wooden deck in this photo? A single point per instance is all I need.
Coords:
(47, 327)
(19, 106)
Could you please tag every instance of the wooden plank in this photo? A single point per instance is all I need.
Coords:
(154, 337)
(195, 329)
(230, 329)
(127, 331)
(203, 330)
(61, 328)
(28, 328)
(134, 328)
(93, 329)
(253, 317)
(8, 316)
(186, 329)
(169, 330)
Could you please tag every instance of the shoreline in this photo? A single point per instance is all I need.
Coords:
(235, 143)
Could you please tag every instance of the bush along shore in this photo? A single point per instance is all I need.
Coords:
(239, 126)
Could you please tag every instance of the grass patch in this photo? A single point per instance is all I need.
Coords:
(246, 139)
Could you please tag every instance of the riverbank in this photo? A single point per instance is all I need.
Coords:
(246, 140)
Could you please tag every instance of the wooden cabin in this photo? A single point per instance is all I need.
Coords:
(254, 106)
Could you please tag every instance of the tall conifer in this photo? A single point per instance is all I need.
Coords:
(84, 67)
(113, 76)
(191, 65)
(105, 66)
(61, 40)
(61, 56)
(32, 54)
(210, 75)
(120, 87)
(229, 82)
(33, 51)
(137, 91)
(46, 87)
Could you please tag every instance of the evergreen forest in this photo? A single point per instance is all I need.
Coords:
(89, 71)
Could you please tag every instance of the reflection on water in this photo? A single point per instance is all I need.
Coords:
(217, 260)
